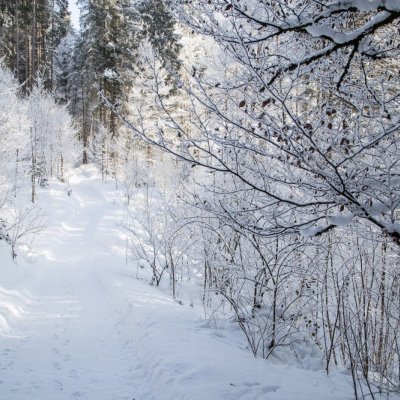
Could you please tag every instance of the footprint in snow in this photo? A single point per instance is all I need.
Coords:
(268, 389)
(250, 384)
(56, 366)
(6, 352)
(72, 373)
(58, 385)
(67, 357)
(35, 385)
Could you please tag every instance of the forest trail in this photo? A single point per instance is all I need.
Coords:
(75, 324)
(69, 343)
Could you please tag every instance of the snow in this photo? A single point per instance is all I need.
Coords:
(333, 220)
(393, 228)
(76, 324)
(312, 231)
(324, 30)
(340, 219)
(75, 14)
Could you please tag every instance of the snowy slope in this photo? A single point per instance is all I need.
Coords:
(76, 324)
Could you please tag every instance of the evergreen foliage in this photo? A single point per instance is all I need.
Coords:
(29, 35)
(159, 29)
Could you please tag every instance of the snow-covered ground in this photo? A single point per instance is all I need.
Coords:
(76, 324)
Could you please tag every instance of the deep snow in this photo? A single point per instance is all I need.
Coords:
(76, 324)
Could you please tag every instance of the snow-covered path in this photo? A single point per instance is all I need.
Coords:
(69, 344)
(75, 324)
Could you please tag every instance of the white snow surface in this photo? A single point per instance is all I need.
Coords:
(76, 324)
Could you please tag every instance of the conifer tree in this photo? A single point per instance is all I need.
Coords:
(29, 35)
(107, 55)
(159, 29)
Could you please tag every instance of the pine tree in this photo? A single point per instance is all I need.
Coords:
(29, 35)
(64, 69)
(159, 29)
(107, 55)
(60, 26)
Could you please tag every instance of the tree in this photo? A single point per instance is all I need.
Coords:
(159, 29)
(107, 55)
(297, 201)
(13, 134)
(312, 135)
(60, 27)
(30, 34)
(52, 137)
(65, 85)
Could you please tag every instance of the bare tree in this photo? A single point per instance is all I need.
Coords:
(307, 117)
(297, 135)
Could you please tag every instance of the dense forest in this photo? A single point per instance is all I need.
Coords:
(265, 136)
